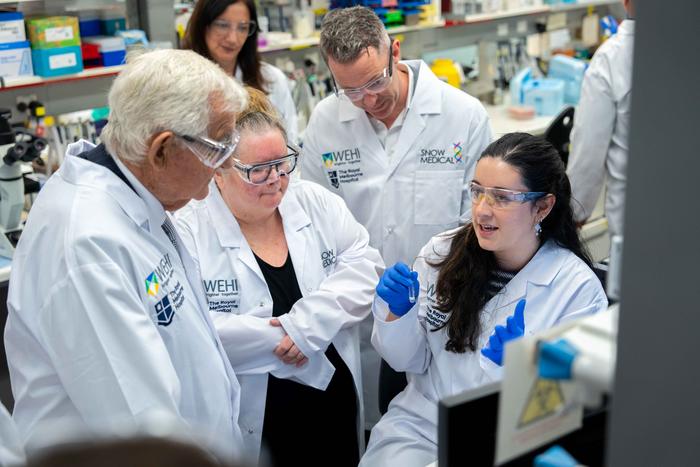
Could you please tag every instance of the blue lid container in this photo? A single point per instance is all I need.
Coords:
(546, 95)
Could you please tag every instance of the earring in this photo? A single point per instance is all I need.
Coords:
(538, 229)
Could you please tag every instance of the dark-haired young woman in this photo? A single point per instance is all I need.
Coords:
(517, 268)
(226, 32)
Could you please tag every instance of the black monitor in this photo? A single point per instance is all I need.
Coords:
(467, 425)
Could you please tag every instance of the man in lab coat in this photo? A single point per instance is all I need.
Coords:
(395, 142)
(108, 323)
(599, 139)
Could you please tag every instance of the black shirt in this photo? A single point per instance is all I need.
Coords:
(303, 425)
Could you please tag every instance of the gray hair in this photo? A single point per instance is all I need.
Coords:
(162, 90)
(259, 122)
(348, 32)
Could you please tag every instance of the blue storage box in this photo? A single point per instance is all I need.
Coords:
(546, 95)
(113, 58)
(112, 49)
(57, 61)
(571, 71)
(89, 27)
(110, 25)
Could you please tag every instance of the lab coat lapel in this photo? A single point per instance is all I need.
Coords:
(540, 271)
(295, 220)
(426, 100)
(229, 232)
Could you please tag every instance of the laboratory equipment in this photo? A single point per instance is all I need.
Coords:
(16, 146)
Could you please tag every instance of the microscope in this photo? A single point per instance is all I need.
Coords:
(16, 146)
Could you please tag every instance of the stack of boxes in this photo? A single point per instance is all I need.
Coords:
(100, 46)
(55, 45)
(15, 53)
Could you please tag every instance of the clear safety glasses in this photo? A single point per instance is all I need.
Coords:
(221, 27)
(212, 153)
(258, 174)
(500, 197)
(375, 86)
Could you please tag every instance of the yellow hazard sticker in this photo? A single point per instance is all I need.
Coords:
(546, 399)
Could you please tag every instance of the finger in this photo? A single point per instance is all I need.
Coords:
(511, 326)
(395, 287)
(403, 269)
(399, 278)
(502, 333)
(292, 354)
(284, 346)
(302, 362)
(520, 314)
(495, 342)
(275, 322)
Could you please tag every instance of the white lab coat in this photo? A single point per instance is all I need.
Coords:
(11, 450)
(84, 341)
(280, 95)
(337, 271)
(558, 287)
(600, 137)
(404, 200)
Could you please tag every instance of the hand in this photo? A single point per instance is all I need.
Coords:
(286, 350)
(515, 327)
(394, 286)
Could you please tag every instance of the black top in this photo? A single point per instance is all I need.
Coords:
(303, 425)
(497, 281)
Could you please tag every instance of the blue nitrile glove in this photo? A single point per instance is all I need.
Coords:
(393, 288)
(556, 456)
(514, 328)
(556, 359)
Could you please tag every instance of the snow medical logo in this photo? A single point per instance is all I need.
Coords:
(152, 285)
(327, 159)
(457, 148)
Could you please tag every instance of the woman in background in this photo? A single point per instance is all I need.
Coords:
(226, 32)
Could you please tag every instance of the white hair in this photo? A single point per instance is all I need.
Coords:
(161, 90)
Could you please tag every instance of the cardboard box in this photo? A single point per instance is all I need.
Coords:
(54, 31)
(16, 59)
(57, 61)
(12, 28)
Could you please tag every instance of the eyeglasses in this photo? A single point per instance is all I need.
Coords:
(500, 197)
(258, 174)
(213, 154)
(221, 27)
(375, 86)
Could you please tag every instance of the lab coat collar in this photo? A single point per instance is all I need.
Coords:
(540, 271)
(228, 231)
(426, 99)
(626, 27)
(82, 172)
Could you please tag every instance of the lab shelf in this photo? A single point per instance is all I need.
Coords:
(30, 81)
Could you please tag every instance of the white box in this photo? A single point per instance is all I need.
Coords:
(16, 59)
(12, 27)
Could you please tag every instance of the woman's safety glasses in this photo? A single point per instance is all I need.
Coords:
(258, 174)
(213, 154)
(500, 197)
(375, 86)
(224, 28)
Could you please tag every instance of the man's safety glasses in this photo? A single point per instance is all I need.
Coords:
(212, 153)
(375, 86)
(224, 28)
(500, 197)
(258, 174)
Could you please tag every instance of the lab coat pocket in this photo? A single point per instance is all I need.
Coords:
(437, 196)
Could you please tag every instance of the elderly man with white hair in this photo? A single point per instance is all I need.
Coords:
(108, 322)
